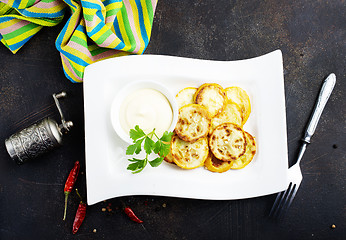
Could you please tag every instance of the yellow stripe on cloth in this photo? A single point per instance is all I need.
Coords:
(23, 36)
(55, 9)
(123, 32)
(147, 22)
(8, 23)
(138, 29)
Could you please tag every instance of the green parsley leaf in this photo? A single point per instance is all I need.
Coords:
(134, 166)
(167, 136)
(148, 145)
(135, 148)
(134, 160)
(156, 162)
(136, 133)
(157, 147)
(137, 165)
(131, 149)
(139, 146)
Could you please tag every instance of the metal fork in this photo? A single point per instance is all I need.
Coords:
(294, 174)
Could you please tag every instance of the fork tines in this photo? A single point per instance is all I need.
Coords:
(283, 202)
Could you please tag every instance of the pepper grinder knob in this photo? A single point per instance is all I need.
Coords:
(65, 126)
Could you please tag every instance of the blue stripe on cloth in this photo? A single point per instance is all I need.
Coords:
(60, 37)
(141, 23)
(96, 29)
(91, 5)
(41, 15)
(120, 46)
(117, 30)
(81, 29)
(99, 14)
(18, 45)
(68, 77)
(107, 2)
(75, 58)
(5, 19)
(16, 3)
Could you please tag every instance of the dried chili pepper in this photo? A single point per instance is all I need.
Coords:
(132, 215)
(80, 214)
(71, 180)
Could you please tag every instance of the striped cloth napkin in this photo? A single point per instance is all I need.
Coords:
(95, 30)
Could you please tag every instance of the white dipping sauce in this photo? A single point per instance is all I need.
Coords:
(147, 108)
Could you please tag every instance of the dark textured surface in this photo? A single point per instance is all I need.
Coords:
(311, 35)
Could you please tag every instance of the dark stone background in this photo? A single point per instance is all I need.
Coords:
(311, 35)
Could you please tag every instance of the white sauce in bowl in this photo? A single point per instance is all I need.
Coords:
(147, 108)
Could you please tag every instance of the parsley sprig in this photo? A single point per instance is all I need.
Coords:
(160, 147)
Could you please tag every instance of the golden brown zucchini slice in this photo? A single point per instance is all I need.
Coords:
(215, 165)
(189, 155)
(249, 154)
(231, 114)
(199, 89)
(169, 158)
(240, 97)
(212, 96)
(227, 142)
(186, 96)
(193, 122)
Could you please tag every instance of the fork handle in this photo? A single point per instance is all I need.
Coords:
(323, 97)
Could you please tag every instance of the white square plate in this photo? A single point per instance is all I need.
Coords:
(106, 162)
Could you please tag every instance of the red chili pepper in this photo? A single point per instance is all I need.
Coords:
(71, 180)
(132, 215)
(80, 215)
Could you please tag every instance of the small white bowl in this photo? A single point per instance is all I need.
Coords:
(128, 89)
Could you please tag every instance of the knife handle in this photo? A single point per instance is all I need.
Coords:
(323, 97)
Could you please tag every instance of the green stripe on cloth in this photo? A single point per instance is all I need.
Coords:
(98, 51)
(88, 17)
(76, 71)
(150, 10)
(80, 41)
(127, 26)
(30, 3)
(19, 31)
(104, 37)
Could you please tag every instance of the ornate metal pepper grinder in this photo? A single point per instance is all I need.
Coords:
(38, 138)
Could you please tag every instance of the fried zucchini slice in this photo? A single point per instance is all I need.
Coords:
(193, 122)
(212, 96)
(169, 158)
(240, 97)
(200, 88)
(248, 155)
(189, 155)
(215, 165)
(185, 96)
(227, 142)
(231, 114)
